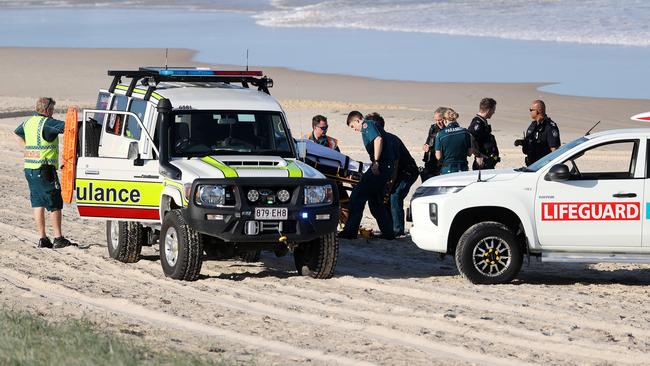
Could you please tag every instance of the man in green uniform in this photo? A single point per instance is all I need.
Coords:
(373, 182)
(40, 136)
(453, 145)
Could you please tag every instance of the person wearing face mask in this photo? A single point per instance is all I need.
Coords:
(542, 136)
(431, 164)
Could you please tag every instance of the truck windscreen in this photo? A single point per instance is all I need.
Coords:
(202, 133)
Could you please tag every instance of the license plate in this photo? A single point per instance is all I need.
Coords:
(271, 213)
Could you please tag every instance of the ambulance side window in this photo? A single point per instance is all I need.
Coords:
(613, 160)
(115, 123)
(132, 128)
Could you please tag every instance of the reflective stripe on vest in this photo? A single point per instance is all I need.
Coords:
(39, 151)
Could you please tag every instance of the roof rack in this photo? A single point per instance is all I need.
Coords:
(151, 76)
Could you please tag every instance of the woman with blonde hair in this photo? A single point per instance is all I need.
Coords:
(453, 144)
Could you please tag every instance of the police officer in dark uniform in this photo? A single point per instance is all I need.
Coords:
(406, 174)
(373, 182)
(431, 163)
(453, 145)
(485, 145)
(542, 136)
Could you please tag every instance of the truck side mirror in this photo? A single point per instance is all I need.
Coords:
(558, 173)
(301, 146)
(134, 154)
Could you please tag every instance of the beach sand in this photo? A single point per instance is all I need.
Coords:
(389, 302)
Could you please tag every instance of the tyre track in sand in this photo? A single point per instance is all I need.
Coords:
(256, 307)
(435, 349)
(121, 306)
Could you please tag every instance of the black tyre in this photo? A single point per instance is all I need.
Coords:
(124, 240)
(317, 258)
(250, 256)
(489, 253)
(181, 249)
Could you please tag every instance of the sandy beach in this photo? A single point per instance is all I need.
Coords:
(389, 302)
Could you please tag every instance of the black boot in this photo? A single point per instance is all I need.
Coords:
(61, 242)
(44, 243)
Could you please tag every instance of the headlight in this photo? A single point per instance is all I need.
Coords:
(208, 195)
(317, 195)
(430, 191)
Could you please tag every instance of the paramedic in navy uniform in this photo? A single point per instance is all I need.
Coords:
(453, 145)
(542, 136)
(373, 182)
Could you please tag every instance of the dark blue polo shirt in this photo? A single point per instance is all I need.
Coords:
(453, 141)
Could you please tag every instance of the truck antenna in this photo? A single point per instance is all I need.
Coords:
(166, 54)
(247, 59)
(479, 175)
(594, 126)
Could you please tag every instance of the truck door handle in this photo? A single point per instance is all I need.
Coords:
(92, 172)
(624, 195)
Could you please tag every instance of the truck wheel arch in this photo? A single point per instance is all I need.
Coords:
(171, 198)
(466, 218)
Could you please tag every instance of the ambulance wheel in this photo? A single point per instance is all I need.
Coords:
(489, 253)
(181, 248)
(125, 240)
(250, 256)
(317, 258)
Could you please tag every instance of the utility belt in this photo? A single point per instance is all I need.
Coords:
(47, 171)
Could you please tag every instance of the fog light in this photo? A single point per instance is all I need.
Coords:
(433, 213)
(253, 195)
(214, 217)
(322, 217)
(283, 195)
(304, 215)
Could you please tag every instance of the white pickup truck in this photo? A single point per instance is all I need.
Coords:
(585, 202)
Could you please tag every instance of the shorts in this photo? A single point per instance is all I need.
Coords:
(44, 188)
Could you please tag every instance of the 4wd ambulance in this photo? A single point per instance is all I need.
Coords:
(207, 168)
(588, 201)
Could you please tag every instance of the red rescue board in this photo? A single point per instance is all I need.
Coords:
(69, 161)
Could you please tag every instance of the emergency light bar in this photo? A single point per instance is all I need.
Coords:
(205, 72)
(641, 117)
(151, 76)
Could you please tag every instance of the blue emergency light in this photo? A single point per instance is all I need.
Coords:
(207, 72)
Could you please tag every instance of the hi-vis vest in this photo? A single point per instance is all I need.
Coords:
(39, 151)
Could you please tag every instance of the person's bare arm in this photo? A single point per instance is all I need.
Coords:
(378, 144)
(553, 148)
(438, 154)
(20, 140)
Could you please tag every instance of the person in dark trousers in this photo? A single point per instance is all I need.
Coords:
(40, 136)
(542, 136)
(407, 172)
(431, 164)
(453, 145)
(486, 152)
(318, 134)
(373, 182)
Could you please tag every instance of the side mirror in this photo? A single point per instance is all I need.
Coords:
(301, 146)
(134, 154)
(558, 173)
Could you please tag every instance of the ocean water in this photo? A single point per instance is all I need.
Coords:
(590, 48)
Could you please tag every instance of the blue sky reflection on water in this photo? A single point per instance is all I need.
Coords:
(588, 70)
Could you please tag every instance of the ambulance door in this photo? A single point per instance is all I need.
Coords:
(600, 205)
(122, 182)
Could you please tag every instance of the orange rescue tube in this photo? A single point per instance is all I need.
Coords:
(69, 162)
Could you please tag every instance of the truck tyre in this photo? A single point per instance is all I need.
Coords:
(181, 250)
(317, 258)
(250, 256)
(125, 240)
(489, 253)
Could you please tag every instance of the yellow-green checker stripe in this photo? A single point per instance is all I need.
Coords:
(140, 91)
(227, 171)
